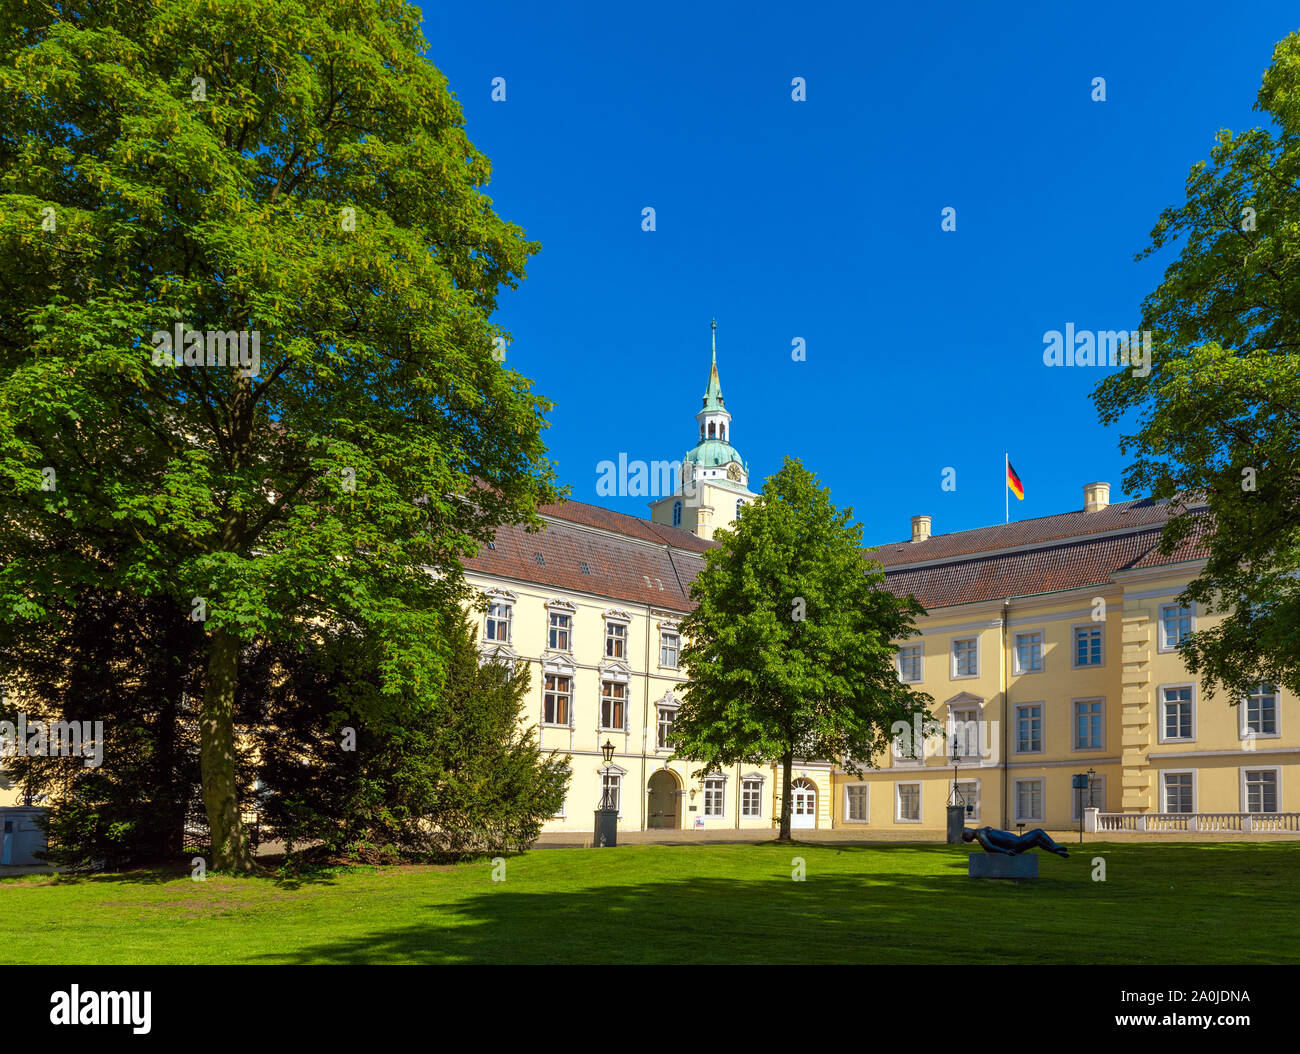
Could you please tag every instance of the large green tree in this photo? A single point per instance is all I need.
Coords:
(443, 774)
(1215, 425)
(790, 648)
(298, 173)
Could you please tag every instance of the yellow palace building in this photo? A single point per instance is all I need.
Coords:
(1049, 648)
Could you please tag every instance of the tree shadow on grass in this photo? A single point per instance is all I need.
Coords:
(160, 875)
(876, 916)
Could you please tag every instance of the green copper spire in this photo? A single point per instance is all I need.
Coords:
(713, 450)
(713, 393)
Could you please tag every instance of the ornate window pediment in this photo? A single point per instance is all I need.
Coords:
(497, 653)
(614, 670)
(560, 664)
(615, 615)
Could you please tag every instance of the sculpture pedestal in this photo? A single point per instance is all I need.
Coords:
(956, 822)
(995, 865)
(606, 828)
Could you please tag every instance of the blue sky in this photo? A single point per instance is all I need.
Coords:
(821, 220)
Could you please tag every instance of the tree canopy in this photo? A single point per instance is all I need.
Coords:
(1215, 426)
(247, 362)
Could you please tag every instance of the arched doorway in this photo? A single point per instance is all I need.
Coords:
(803, 804)
(665, 806)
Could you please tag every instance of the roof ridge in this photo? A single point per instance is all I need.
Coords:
(662, 533)
(1034, 519)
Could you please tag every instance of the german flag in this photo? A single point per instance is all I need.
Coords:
(1013, 481)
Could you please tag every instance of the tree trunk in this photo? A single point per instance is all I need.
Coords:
(787, 794)
(230, 848)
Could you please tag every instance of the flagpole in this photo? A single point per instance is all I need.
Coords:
(1006, 487)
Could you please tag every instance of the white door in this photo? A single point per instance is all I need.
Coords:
(804, 805)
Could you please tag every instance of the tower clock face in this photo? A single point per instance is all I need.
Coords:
(733, 471)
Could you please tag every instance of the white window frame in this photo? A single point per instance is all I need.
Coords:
(1091, 627)
(745, 781)
(567, 631)
(1021, 671)
(1164, 801)
(560, 607)
(1160, 712)
(721, 791)
(898, 801)
(662, 707)
(866, 805)
(1074, 724)
(1277, 776)
(1244, 724)
(677, 650)
(1042, 728)
(1164, 646)
(610, 623)
(1042, 799)
(920, 663)
(952, 659)
(605, 679)
(979, 797)
(1098, 786)
(573, 682)
(488, 618)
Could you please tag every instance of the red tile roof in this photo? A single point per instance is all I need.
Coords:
(1069, 551)
(1125, 515)
(627, 559)
(638, 561)
(621, 523)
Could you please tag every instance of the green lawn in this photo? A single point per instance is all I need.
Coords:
(1160, 903)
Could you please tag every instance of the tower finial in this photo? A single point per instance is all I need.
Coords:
(714, 326)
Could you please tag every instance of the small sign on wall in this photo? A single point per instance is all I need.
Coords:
(699, 823)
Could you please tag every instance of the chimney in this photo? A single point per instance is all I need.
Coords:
(1096, 496)
(920, 528)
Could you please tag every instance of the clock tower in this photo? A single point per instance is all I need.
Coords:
(714, 480)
